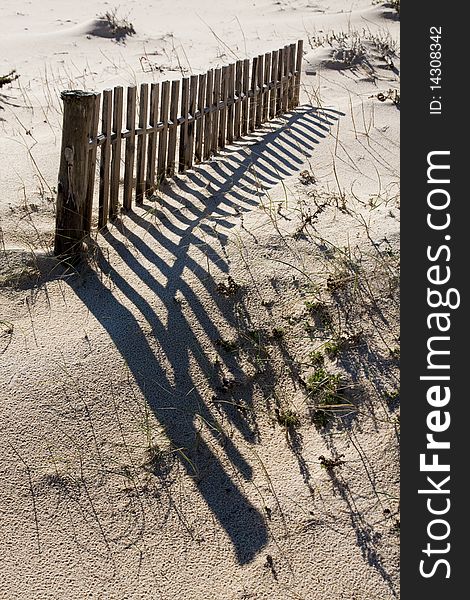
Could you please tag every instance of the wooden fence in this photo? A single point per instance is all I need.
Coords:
(210, 110)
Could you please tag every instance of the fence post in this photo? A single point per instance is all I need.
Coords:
(71, 211)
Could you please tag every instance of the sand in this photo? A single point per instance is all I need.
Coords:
(159, 432)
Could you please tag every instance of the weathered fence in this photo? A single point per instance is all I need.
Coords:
(210, 110)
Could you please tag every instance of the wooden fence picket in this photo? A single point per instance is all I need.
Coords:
(274, 77)
(116, 153)
(231, 101)
(210, 115)
(163, 141)
(298, 69)
(188, 158)
(216, 108)
(266, 80)
(280, 75)
(93, 135)
(253, 99)
(130, 147)
(106, 116)
(201, 121)
(238, 105)
(291, 76)
(184, 126)
(141, 145)
(152, 138)
(259, 91)
(223, 109)
(245, 101)
(172, 136)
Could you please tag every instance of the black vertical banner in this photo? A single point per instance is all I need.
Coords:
(434, 323)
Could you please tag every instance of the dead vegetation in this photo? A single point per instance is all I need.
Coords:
(9, 78)
(115, 26)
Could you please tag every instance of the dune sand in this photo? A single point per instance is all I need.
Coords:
(161, 432)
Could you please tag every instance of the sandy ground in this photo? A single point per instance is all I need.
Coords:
(162, 429)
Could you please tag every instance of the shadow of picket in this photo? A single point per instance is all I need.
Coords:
(236, 180)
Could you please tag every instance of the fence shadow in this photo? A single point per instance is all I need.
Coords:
(172, 246)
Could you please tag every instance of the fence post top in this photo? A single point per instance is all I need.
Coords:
(76, 94)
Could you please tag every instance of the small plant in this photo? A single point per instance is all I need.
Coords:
(228, 289)
(316, 358)
(391, 94)
(392, 395)
(159, 462)
(347, 48)
(320, 312)
(267, 303)
(311, 306)
(287, 418)
(119, 28)
(5, 79)
(254, 335)
(321, 419)
(335, 347)
(395, 4)
(339, 344)
(330, 463)
(392, 398)
(309, 329)
(278, 333)
(307, 178)
(258, 352)
(323, 388)
(228, 345)
(336, 284)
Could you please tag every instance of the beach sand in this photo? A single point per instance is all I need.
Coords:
(159, 405)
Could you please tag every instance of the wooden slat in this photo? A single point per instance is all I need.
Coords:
(163, 140)
(274, 78)
(216, 113)
(200, 123)
(92, 164)
(116, 153)
(209, 117)
(253, 99)
(106, 118)
(280, 73)
(267, 76)
(223, 110)
(238, 105)
(152, 139)
(130, 147)
(175, 90)
(298, 68)
(245, 101)
(259, 99)
(141, 144)
(292, 78)
(184, 126)
(230, 98)
(192, 125)
(285, 87)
